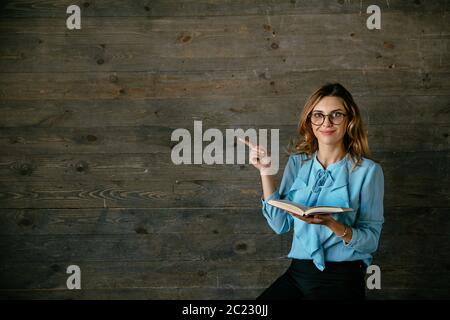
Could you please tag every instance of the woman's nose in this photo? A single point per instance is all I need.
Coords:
(327, 122)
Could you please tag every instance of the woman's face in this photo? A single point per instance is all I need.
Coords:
(329, 133)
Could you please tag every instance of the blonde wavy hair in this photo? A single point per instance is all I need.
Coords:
(355, 139)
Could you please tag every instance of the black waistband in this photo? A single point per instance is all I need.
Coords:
(331, 266)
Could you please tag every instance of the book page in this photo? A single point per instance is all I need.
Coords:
(293, 206)
(289, 205)
(326, 210)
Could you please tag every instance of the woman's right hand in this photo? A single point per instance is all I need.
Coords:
(259, 158)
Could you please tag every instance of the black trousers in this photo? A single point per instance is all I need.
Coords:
(302, 280)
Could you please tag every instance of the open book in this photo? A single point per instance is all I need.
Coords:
(298, 209)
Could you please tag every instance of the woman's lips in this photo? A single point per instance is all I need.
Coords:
(328, 133)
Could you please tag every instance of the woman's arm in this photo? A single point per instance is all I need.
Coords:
(279, 220)
(366, 233)
(268, 185)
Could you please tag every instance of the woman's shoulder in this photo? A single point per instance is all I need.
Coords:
(298, 159)
(366, 165)
(299, 156)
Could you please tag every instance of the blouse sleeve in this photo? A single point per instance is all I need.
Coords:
(278, 219)
(367, 230)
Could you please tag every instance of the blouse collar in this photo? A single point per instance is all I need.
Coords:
(312, 166)
(325, 178)
(331, 167)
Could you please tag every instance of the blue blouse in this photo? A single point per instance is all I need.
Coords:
(308, 183)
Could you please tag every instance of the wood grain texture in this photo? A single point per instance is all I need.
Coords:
(281, 43)
(176, 8)
(85, 122)
(157, 139)
(195, 221)
(228, 111)
(156, 85)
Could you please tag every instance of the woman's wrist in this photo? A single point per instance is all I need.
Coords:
(341, 230)
(338, 228)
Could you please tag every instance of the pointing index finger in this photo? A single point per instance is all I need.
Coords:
(251, 145)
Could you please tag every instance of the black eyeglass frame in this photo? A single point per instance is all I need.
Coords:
(324, 117)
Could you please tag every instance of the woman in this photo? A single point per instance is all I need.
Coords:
(330, 166)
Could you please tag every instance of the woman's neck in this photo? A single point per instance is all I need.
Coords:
(330, 154)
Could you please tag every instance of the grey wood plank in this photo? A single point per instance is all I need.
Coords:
(246, 111)
(187, 31)
(225, 44)
(134, 294)
(98, 8)
(192, 274)
(413, 221)
(397, 249)
(188, 193)
(411, 179)
(146, 85)
(195, 274)
(139, 275)
(25, 141)
(150, 167)
(155, 194)
(186, 221)
(143, 247)
(412, 249)
(420, 26)
(158, 166)
(293, 53)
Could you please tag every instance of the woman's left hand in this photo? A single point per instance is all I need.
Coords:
(323, 219)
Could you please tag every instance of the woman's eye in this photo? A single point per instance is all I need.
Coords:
(317, 115)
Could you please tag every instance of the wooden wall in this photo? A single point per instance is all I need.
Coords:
(86, 117)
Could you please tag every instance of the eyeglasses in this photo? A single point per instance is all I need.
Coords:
(335, 117)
